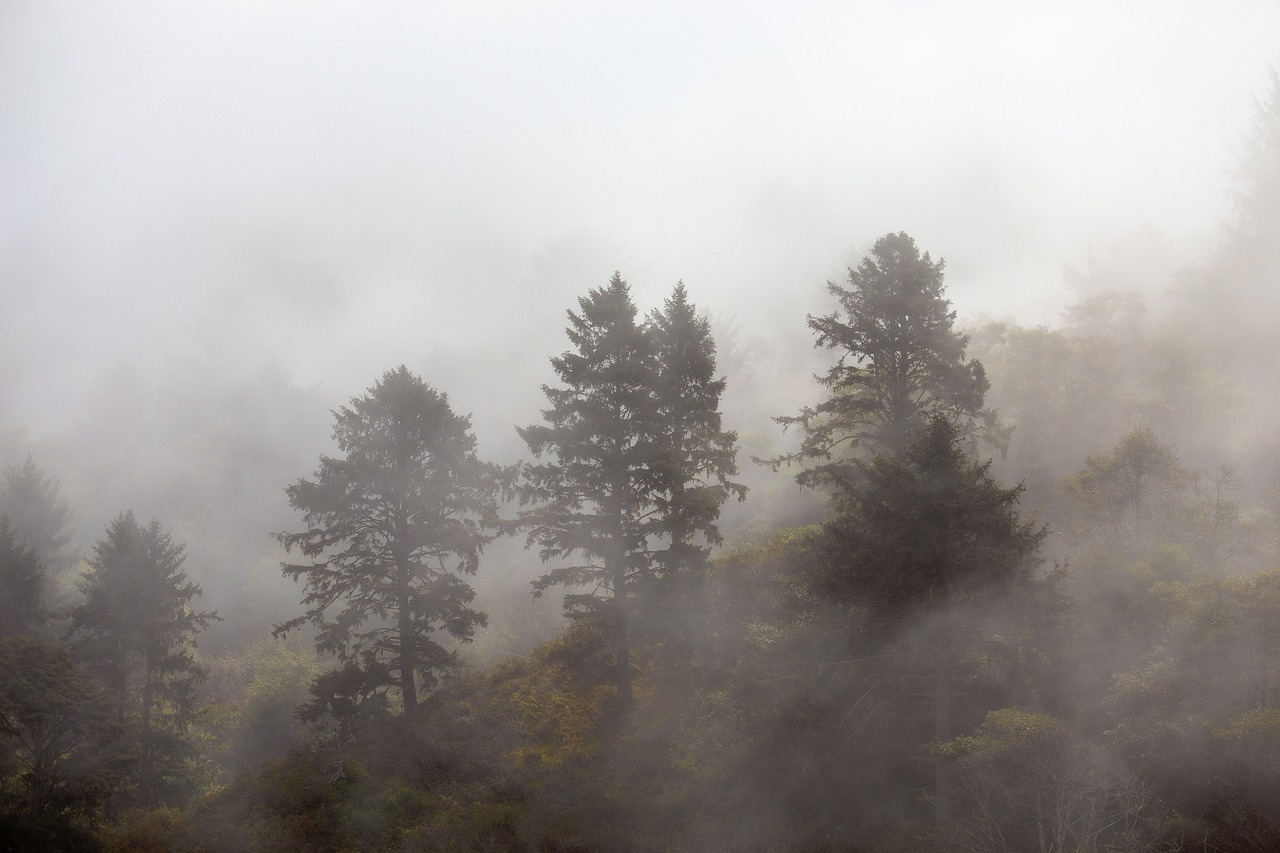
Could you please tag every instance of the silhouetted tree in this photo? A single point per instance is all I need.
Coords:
(51, 717)
(21, 585)
(695, 456)
(919, 536)
(135, 630)
(594, 497)
(392, 527)
(38, 514)
(900, 363)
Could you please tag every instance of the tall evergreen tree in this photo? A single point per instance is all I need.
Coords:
(696, 456)
(637, 464)
(391, 528)
(21, 585)
(50, 721)
(593, 497)
(920, 537)
(900, 362)
(135, 630)
(38, 514)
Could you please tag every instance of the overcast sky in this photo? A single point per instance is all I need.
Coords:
(343, 186)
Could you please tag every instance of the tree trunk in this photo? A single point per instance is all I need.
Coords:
(942, 729)
(622, 641)
(144, 754)
(408, 661)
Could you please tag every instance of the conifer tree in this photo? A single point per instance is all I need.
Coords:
(21, 585)
(135, 630)
(593, 495)
(636, 463)
(696, 456)
(38, 514)
(916, 539)
(900, 362)
(391, 529)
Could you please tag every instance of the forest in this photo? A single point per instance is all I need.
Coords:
(989, 587)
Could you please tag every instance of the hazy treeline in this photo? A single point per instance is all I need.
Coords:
(1027, 599)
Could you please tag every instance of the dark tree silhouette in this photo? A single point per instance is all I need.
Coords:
(391, 528)
(593, 497)
(135, 630)
(696, 457)
(38, 514)
(900, 363)
(21, 585)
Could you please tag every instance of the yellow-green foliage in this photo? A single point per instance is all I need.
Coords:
(250, 702)
(1003, 731)
(555, 706)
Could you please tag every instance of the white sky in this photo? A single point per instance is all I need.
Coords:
(345, 186)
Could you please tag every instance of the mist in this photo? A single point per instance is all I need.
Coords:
(220, 223)
(336, 191)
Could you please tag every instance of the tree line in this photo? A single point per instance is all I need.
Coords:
(913, 670)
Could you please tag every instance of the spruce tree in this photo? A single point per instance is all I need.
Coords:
(21, 585)
(392, 528)
(900, 362)
(38, 514)
(696, 457)
(135, 630)
(635, 463)
(917, 540)
(593, 496)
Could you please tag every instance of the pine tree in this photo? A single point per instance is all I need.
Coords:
(21, 585)
(926, 529)
(38, 514)
(696, 456)
(637, 464)
(916, 540)
(900, 363)
(593, 496)
(135, 630)
(392, 527)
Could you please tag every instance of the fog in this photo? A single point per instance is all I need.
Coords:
(336, 190)
(219, 222)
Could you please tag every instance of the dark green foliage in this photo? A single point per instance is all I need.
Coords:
(593, 498)
(38, 514)
(352, 696)
(927, 529)
(637, 464)
(21, 585)
(51, 721)
(900, 362)
(696, 456)
(135, 631)
(392, 528)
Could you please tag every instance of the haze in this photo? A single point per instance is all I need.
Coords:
(338, 189)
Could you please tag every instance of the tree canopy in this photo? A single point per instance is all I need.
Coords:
(21, 585)
(38, 514)
(135, 631)
(636, 462)
(900, 362)
(392, 528)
